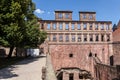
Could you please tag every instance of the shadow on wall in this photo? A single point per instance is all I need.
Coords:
(2, 53)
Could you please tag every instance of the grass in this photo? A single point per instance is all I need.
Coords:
(4, 62)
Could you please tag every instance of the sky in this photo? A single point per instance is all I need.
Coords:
(106, 10)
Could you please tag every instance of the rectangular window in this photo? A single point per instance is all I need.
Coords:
(78, 26)
(73, 38)
(60, 15)
(84, 26)
(54, 26)
(108, 37)
(90, 16)
(102, 37)
(85, 37)
(96, 37)
(107, 27)
(67, 38)
(67, 27)
(66, 15)
(90, 26)
(96, 27)
(102, 27)
(84, 16)
(54, 38)
(60, 26)
(49, 38)
(91, 37)
(71, 76)
(73, 26)
(79, 38)
(48, 26)
(60, 38)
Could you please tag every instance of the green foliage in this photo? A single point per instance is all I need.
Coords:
(18, 24)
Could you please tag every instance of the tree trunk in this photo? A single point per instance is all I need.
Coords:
(10, 52)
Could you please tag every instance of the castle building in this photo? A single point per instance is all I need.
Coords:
(75, 46)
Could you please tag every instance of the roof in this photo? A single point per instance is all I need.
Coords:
(66, 11)
(92, 12)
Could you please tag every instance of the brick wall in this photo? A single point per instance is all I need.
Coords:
(61, 55)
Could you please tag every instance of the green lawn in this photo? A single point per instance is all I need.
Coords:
(4, 62)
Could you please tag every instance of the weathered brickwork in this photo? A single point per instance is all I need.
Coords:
(77, 44)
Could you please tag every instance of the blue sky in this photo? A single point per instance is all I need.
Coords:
(106, 10)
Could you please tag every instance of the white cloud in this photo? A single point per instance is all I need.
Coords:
(39, 11)
(48, 12)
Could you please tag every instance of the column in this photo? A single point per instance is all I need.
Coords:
(51, 26)
(70, 26)
(70, 36)
(76, 37)
(57, 37)
(93, 26)
(75, 26)
(88, 26)
(88, 37)
(94, 37)
(82, 37)
(76, 76)
(81, 26)
(64, 25)
(99, 27)
(57, 26)
(65, 76)
(105, 38)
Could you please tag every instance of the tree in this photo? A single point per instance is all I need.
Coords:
(18, 25)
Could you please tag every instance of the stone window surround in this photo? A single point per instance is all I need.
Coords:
(101, 37)
(83, 26)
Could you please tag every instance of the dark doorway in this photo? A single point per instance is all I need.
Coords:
(71, 76)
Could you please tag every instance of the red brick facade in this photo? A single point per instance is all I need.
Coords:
(77, 44)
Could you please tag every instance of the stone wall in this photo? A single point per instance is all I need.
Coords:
(104, 72)
(116, 52)
(78, 55)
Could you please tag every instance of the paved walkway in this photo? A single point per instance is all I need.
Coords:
(29, 69)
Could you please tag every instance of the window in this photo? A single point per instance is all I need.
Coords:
(67, 27)
(85, 37)
(54, 26)
(108, 37)
(80, 76)
(66, 15)
(73, 38)
(60, 38)
(90, 26)
(79, 38)
(91, 17)
(102, 27)
(54, 38)
(73, 26)
(48, 38)
(96, 37)
(60, 26)
(48, 26)
(84, 16)
(60, 15)
(96, 27)
(70, 55)
(71, 76)
(91, 37)
(107, 27)
(67, 38)
(78, 27)
(102, 37)
(84, 26)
